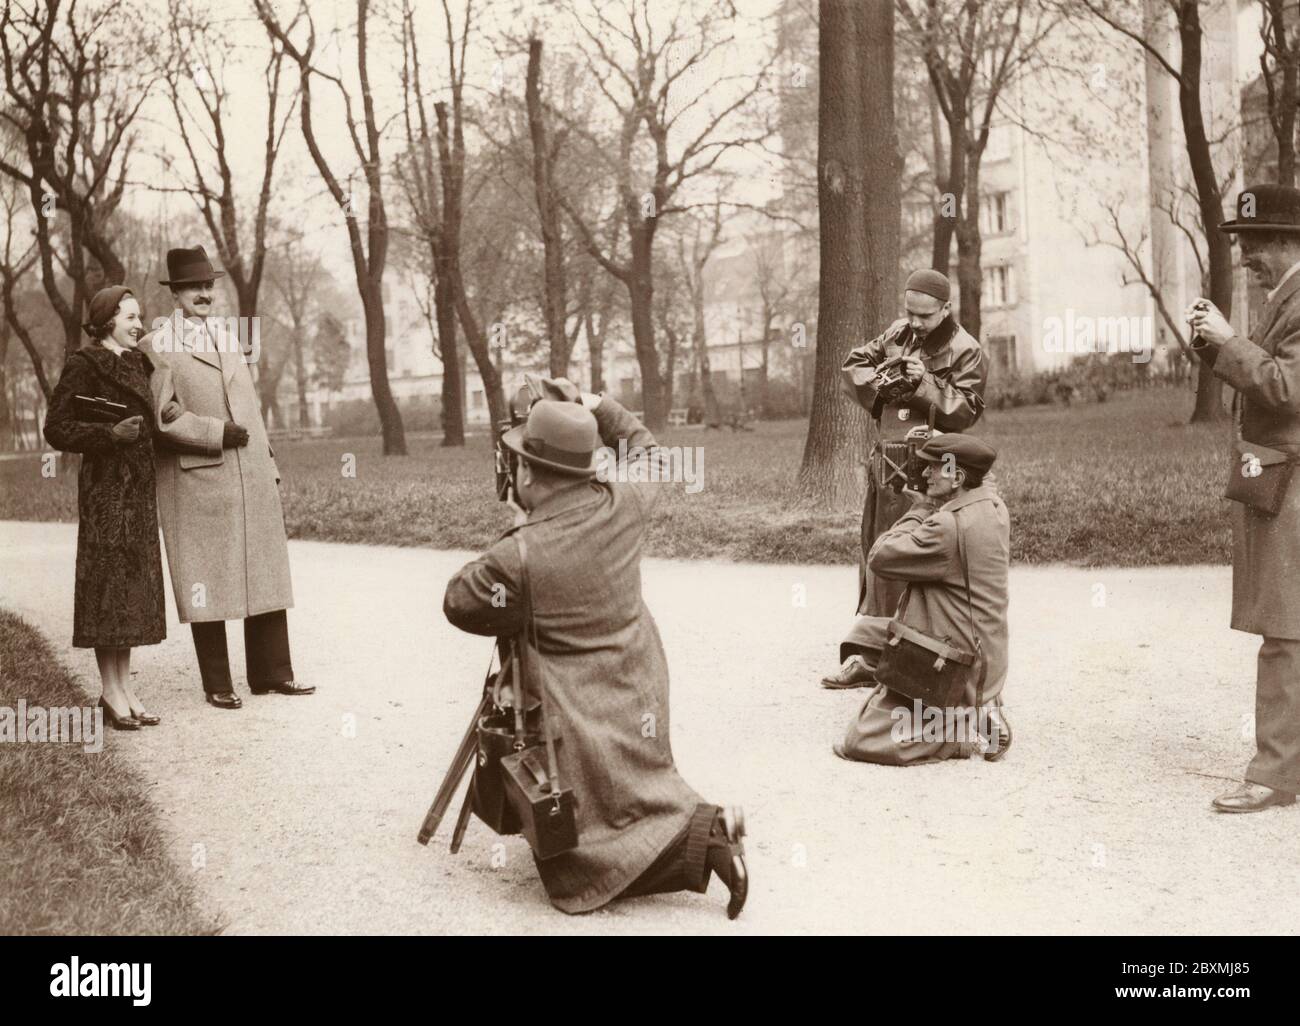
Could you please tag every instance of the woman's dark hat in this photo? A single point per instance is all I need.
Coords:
(103, 305)
(1266, 208)
(559, 436)
(188, 266)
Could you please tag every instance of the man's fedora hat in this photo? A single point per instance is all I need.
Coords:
(1266, 208)
(189, 266)
(559, 436)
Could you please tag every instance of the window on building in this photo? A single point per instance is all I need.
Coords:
(627, 385)
(1001, 350)
(999, 286)
(476, 399)
(994, 219)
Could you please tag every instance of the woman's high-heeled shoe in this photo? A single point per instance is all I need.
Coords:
(146, 719)
(115, 721)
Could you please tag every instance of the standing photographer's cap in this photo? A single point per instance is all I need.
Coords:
(559, 436)
(931, 283)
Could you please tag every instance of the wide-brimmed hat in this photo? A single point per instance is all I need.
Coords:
(969, 453)
(1266, 208)
(188, 266)
(559, 436)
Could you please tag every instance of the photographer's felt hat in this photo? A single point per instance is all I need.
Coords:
(559, 436)
(1266, 208)
(972, 454)
(188, 267)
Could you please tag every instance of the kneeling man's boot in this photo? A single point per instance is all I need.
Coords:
(999, 734)
(727, 856)
(1252, 798)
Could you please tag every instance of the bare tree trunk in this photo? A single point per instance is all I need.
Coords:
(453, 373)
(482, 352)
(554, 301)
(1209, 389)
(949, 210)
(640, 288)
(712, 412)
(970, 277)
(859, 213)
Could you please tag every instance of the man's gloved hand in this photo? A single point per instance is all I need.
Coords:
(233, 436)
(562, 389)
(127, 431)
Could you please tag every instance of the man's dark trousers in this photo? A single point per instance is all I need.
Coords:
(266, 651)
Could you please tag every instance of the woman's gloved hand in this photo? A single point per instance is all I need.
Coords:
(127, 431)
(170, 411)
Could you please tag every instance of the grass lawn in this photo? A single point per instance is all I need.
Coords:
(1126, 483)
(81, 851)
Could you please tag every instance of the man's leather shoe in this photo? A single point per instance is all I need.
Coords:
(1252, 798)
(737, 876)
(853, 674)
(224, 699)
(1000, 734)
(284, 687)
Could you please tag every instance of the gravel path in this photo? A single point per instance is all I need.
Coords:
(1130, 698)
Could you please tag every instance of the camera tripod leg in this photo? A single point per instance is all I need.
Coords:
(462, 821)
(460, 764)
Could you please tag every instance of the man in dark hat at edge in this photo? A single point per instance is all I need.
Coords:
(945, 372)
(921, 553)
(1264, 369)
(641, 828)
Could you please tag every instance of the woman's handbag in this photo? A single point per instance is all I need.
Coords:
(516, 783)
(933, 671)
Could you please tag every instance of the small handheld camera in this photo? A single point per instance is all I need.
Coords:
(506, 461)
(891, 381)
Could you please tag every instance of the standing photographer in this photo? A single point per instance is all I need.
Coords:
(1264, 368)
(923, 362)
(641, 828)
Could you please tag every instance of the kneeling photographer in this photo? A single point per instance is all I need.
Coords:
(942, 658)
(568, 574)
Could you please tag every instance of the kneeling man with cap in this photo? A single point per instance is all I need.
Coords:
(641, 828)
(921, 551)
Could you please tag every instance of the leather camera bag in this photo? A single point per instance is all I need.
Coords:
(546, 809)
(1258, 476)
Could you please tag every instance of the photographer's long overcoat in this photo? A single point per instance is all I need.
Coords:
(222, 523)
(604, 664)
(1265, 370)
(953, 385)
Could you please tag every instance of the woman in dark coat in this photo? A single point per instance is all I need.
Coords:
(119, 586)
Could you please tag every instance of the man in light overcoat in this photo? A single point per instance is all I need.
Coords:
(1265, 371)
(218, 495)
